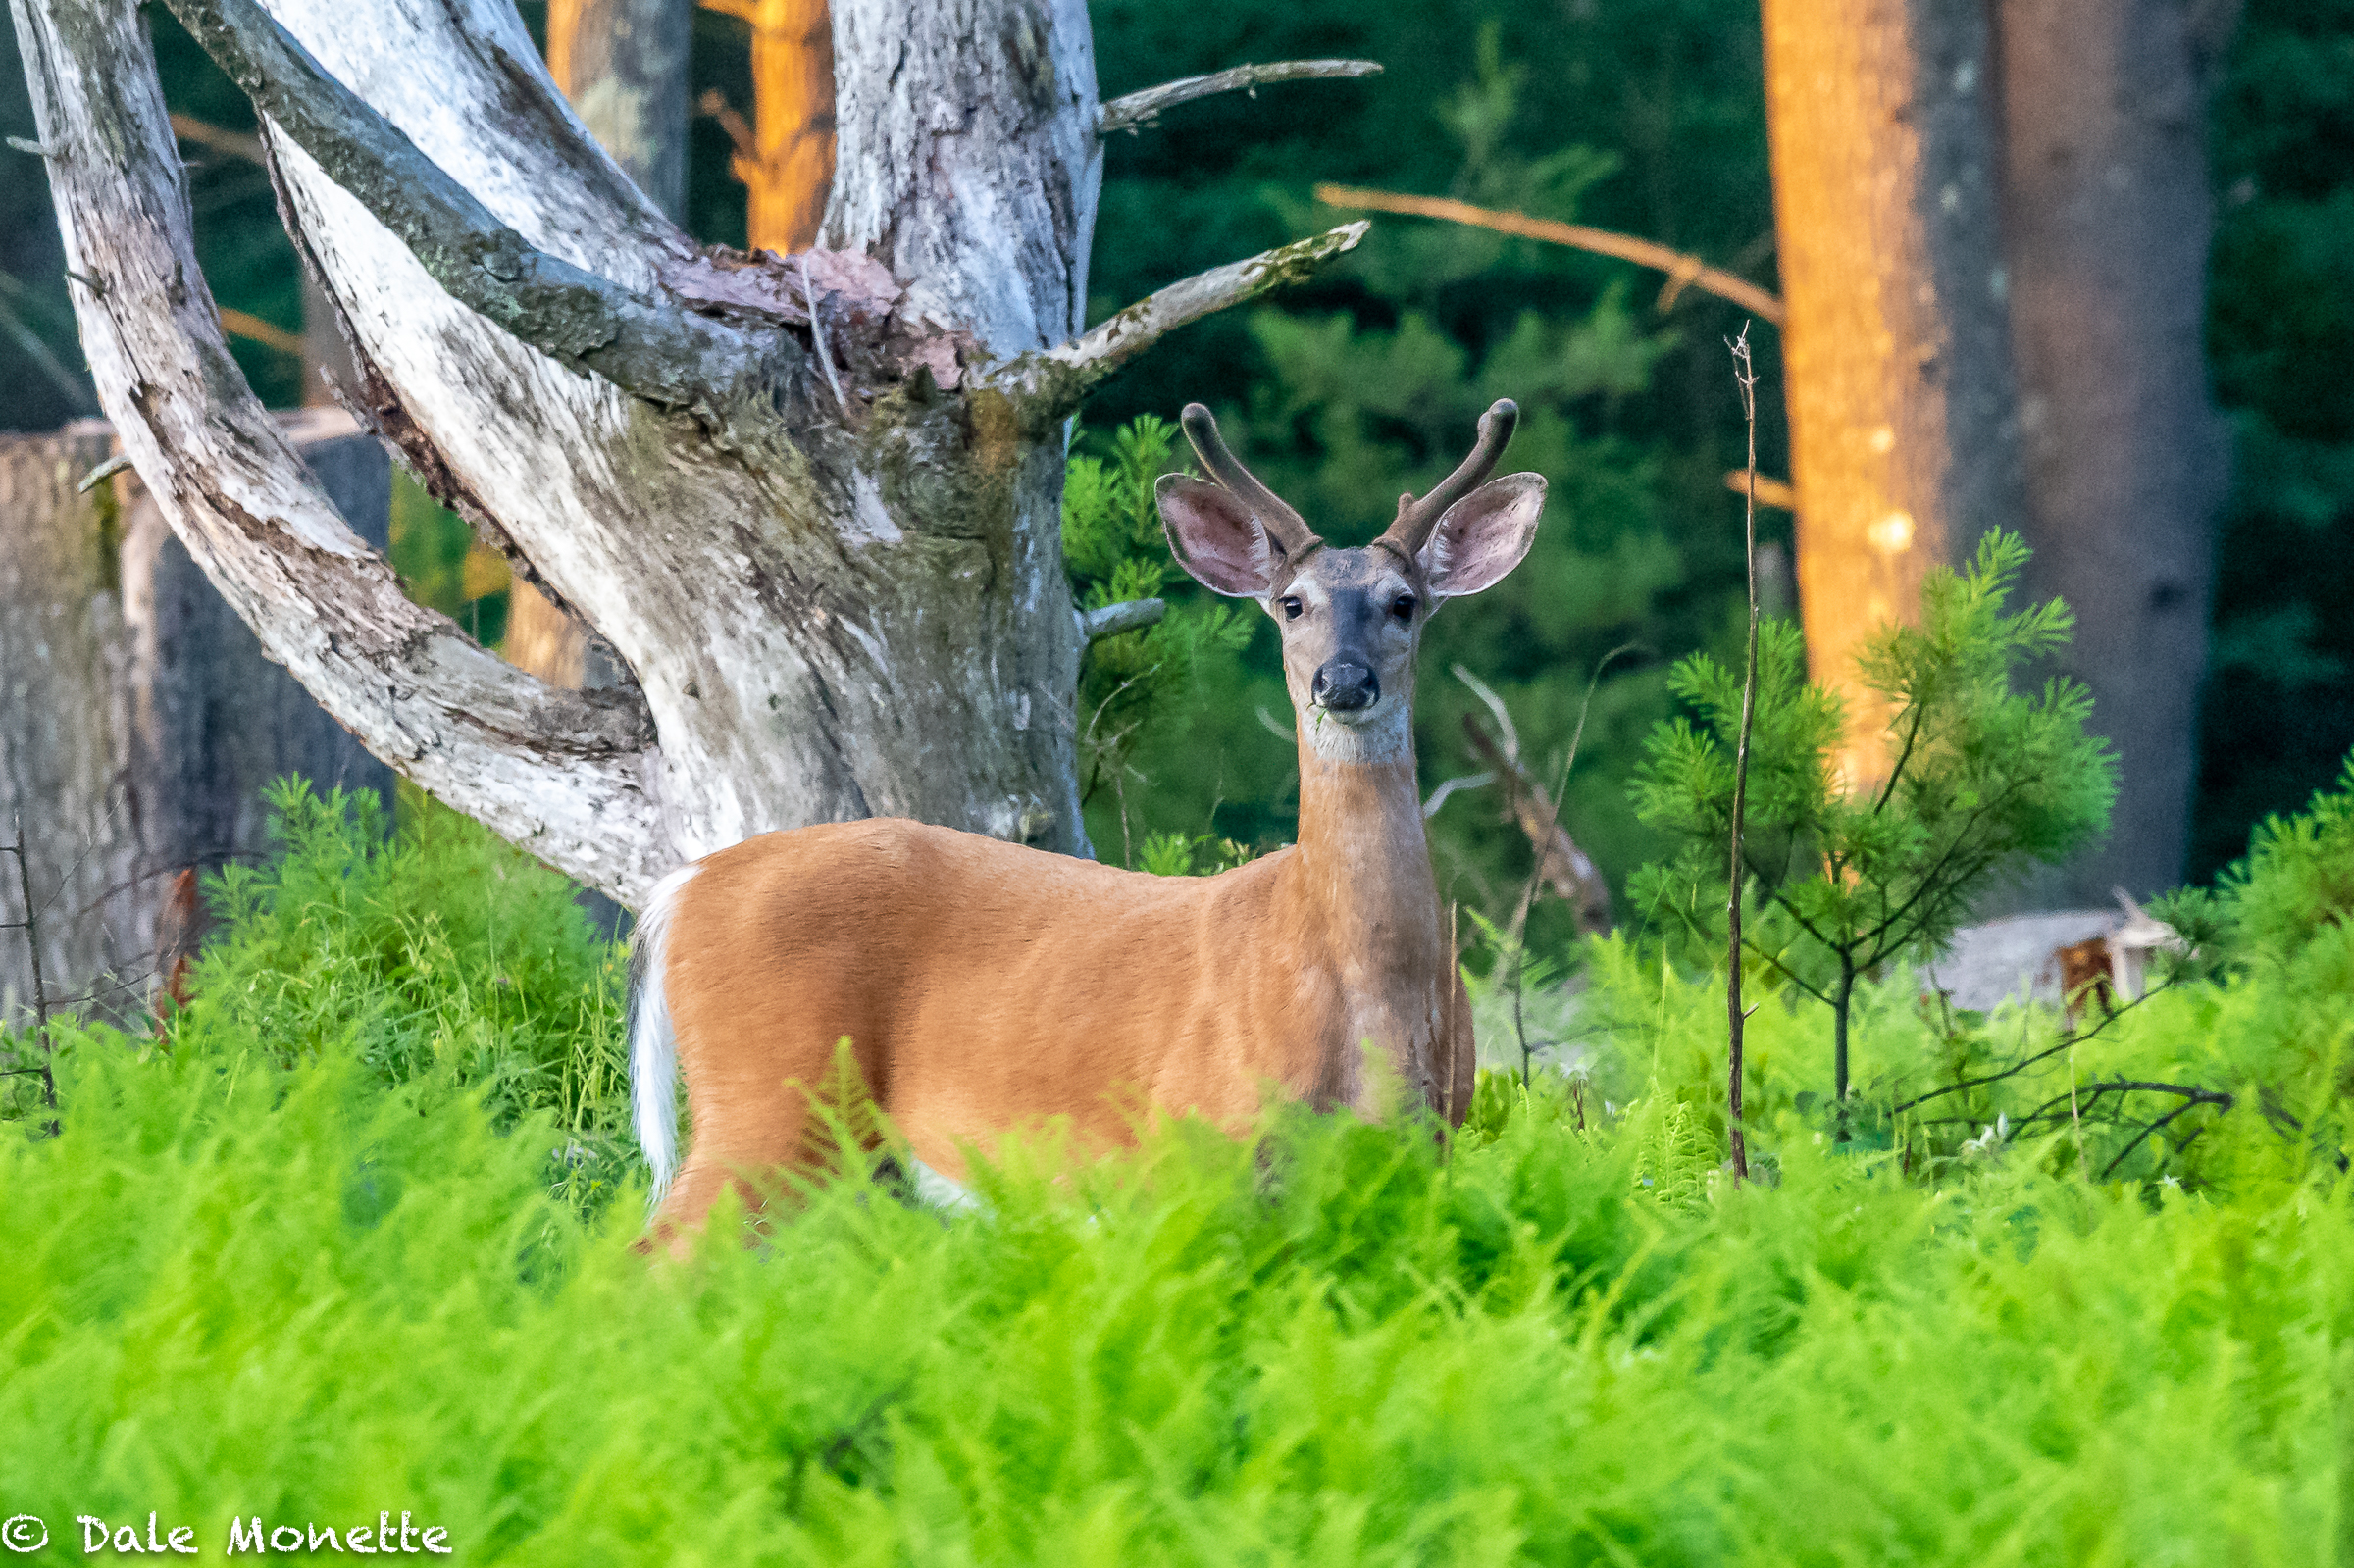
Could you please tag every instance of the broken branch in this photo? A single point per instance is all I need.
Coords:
(642, 344)
(1779, 494)
(254, 329)
(1601, 242)
(1066, 374)
(1129, 615)
(215, 138)
(1137, 110)
(1564, 868)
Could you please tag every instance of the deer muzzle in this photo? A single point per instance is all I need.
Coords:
(1343, 686)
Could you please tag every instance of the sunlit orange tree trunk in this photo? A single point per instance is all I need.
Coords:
(1897, 346)
(787, 170)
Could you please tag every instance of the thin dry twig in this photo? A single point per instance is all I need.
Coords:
(1560, 863)
(1543, 834)
(817, 337)
(2068, 1041)
(714, 104)
(1745, 377)
(31, 927)
(219, 138)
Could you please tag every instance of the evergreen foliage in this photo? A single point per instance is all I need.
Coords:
(1981, 782)
(1138, 685)
(1369, 381)
(1644, 118)
(2278, 711)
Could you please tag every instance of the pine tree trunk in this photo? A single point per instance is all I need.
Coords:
(1897, 344)
(791, 172)
(2107, 223)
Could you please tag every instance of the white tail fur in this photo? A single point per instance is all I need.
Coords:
(654, 1048)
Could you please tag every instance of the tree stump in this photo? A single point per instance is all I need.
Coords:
(141, 718)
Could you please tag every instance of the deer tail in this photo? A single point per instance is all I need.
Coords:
(654, 1045)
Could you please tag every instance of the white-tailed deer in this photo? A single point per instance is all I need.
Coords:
(983, 985)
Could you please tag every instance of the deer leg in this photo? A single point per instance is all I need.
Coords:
(751, 1131)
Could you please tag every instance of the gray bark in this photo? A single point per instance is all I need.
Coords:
(327, 372)
(623, 65)
(64, 721)
(213, 721)
(838, 589)
(142, 719)
(2107, 225)
(967, 159)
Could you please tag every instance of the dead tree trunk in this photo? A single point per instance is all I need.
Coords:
(814, 504)
(622, 65)
(1905, 447)
(2107, 220)
(141, 718)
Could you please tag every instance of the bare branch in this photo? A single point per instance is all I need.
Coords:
(1494, 704)
(254, 329)
(1745, 377)
(1779, 494)
(2192, 1104)
(38, 349)
(644, 345)
(1563, 866)
(103, 472)
(1601, 241)
(567, 775)
(1468, 781)
(1129, 615)
(1064, 375)
(1141, 109)
(216, 138)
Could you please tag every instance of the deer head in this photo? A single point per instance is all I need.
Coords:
(1350, 619)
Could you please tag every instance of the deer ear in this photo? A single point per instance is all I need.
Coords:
(1214, 536)
(1483, 536)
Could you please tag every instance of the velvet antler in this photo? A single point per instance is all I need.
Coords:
(1416, 519)
(1286, 528)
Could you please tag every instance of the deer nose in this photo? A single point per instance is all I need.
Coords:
(1346, 688)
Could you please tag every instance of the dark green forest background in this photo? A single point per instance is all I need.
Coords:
(1647, 118)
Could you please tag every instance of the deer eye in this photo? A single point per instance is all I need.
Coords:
(1403, 607)
(1291, 607)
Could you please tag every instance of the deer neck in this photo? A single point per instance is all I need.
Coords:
(1362, 874)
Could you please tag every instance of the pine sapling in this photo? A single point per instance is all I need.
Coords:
(1852, 874)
